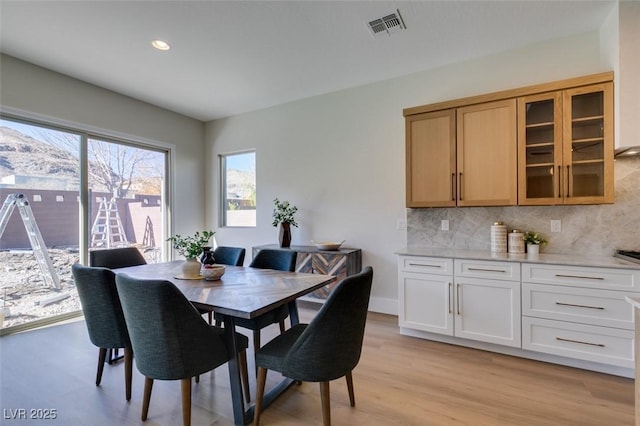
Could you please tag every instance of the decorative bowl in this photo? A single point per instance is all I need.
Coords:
(328, 245)
(212, 272)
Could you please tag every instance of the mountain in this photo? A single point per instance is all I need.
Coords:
(23, 155)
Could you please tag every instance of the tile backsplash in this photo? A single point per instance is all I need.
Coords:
(591, 230)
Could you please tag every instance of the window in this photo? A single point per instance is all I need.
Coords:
(238, 192)
(45, 164)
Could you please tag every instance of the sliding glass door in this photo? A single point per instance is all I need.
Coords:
(43, 212)
(126, 203)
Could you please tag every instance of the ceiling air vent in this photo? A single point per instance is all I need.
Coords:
(387, 24)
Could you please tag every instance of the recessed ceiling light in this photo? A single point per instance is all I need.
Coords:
(160, 45)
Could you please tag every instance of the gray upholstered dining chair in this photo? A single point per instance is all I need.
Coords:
(171, 340)
(281, 260)
(120, 257)
(326, 349)
(104, 317)
(229, 255)
(114, 258)
(233, 256)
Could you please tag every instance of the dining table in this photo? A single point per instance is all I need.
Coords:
(242, 292)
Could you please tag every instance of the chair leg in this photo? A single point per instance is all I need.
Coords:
(218, 323)
(281, 326)
(128, 371)
(198, 378)
(326, 403)
(262, 379)
(102, 356)
(352, 398)
(244, 374)
(185, 384)
(210, 315)
(148, 386)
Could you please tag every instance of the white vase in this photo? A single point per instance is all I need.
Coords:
(191, 268)
(533, 249)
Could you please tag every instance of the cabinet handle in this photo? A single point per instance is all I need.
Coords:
(424, 264)
(600, 345)
(578, 276)
(559, 181)
(460, 183)
(568, 181)
(486, 270)
(450, 299)
(458, 298)
(453, 186)
(579, 306)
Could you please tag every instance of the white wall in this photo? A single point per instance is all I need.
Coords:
(36, 92)
(340, 157)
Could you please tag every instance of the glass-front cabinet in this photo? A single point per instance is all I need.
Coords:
(566, 146)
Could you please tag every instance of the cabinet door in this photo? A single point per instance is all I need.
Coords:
(426, 302)
(588, 144)
(540, 149)
(430, 156)
(488, 311)
(487, 154)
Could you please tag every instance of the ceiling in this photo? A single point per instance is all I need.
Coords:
(230, 57)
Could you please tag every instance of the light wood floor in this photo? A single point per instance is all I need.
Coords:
(399, 381)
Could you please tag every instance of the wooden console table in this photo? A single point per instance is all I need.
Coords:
(339, 263)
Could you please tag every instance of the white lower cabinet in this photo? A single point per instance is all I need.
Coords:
(579, 312)
(481, 302)
(574, 315)
(425, 294)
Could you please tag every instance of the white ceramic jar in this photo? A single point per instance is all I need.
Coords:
(498, 238)
(516, 241)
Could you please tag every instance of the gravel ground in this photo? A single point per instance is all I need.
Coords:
(24, 294)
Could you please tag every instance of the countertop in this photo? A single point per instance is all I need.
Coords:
(554, 259)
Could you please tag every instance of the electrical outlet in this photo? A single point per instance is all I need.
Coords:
(401, 224)
(444, 225)
(556, 226)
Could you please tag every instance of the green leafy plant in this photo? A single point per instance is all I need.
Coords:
(531, 237)
(284, 212)
(191, 246)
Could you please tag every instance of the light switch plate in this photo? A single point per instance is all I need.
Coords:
(444, 225)
(556, 226)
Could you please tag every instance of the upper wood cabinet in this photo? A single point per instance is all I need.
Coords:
(465, 156)
(487, 166)
(431, 159)
(546, 144)
(566, 146)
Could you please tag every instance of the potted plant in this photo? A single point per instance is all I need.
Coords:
(190, 247)
(533, 240)
(284, 215)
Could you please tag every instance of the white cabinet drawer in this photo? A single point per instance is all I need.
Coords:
(582, 276)
(427, 265)
(587, 342)
(584, 305)
(487, 269)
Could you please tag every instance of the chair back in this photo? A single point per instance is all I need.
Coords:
(170, 339)
(282, 260)
(331, 344)
(229, 255)
(101, 306)
(116, 258)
